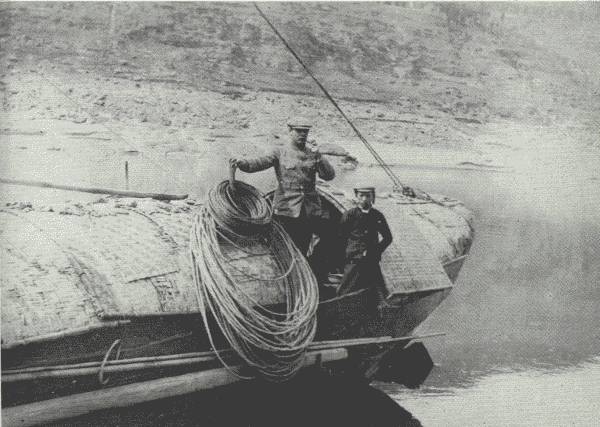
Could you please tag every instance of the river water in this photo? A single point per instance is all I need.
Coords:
(522, 343)
(523, 325)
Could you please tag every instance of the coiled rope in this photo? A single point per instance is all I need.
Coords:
(274, 343)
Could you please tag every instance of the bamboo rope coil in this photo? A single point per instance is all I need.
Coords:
(273, 343)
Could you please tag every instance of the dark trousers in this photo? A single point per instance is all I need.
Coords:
(360, 274)
(301, 230)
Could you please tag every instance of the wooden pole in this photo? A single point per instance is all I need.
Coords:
(94, 190)
(210, 354)
(53, 410)
(126, 175)
(107, 369)
(183, 359)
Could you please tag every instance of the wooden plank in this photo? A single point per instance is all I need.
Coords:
(109, 369)
(94, 190)
(369, 341)
(123, 396)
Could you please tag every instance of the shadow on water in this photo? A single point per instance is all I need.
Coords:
(313, 398)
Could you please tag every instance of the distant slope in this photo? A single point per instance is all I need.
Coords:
(475, 60)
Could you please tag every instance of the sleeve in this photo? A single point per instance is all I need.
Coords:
(325, 170)
(343, 233)
(386, 235)
(258, 164)
(343, 226)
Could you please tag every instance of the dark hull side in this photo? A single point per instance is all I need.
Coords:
(363, 314)
(356, 315)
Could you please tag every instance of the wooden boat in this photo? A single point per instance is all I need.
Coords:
(99, 308)
(99, 296)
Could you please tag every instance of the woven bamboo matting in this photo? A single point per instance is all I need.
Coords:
(43, 288)
(409, 264)
(66, 267)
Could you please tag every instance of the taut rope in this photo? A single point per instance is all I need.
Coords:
(382, 163)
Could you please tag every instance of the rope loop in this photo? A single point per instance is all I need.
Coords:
(117, 344)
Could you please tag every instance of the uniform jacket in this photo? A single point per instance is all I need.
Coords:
(360, 231)
(296, 172)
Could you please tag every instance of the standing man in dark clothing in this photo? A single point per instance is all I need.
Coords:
(360, 228)
(297, 205)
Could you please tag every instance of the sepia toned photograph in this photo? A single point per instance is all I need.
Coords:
(300, 213)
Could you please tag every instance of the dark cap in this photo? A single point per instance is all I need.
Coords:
(299, 128)
(360, 190)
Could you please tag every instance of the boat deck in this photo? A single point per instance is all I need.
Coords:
(72, 268)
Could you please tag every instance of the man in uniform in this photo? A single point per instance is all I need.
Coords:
(297, 205)
(360, 230)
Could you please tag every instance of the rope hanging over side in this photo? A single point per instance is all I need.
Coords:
(274, 343)
(382, 163)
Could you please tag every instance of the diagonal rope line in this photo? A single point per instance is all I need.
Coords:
(382, 163)
(394, 178)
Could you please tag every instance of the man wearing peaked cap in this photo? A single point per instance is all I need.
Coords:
(360, 230)
(299, 128)
(365, 190)
(296, 203)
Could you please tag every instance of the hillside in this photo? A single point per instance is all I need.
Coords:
(193, 77)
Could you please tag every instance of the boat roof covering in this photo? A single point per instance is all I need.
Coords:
(69, 268)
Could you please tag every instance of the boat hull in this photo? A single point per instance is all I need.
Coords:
(150, 313)
(359, 314)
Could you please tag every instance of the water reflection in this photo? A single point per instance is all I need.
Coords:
(533, 397)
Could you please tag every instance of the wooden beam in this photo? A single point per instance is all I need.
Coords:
(53, 410)
(107, 369)
(94, 190)
(183, 359)
(321, 345)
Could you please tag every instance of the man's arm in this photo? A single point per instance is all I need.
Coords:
(343, 233)
(325, 170)
(386, 234)
(256, 164)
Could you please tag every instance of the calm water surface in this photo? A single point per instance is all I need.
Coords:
(523, 325)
